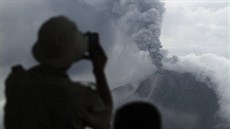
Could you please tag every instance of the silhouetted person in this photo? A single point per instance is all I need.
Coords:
(44, 97)
(137, 115)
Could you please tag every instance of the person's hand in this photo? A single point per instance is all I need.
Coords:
(97, 56)
(95, 52)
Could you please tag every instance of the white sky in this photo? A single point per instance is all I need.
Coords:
(196, 26)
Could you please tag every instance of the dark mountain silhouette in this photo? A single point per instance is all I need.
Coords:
(184, 102)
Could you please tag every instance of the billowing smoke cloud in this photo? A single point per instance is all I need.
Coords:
(141, 20)
(210, 69)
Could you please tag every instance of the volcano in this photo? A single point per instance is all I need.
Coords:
(183, 101)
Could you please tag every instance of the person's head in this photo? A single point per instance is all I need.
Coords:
(137, 115)
(59, 43)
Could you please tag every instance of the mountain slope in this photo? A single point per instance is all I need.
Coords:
(184, 102)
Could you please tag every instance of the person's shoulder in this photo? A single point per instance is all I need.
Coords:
(21, 76)
(17, 69)
(16, 73)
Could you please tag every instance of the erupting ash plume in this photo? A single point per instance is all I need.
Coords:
(141, 20)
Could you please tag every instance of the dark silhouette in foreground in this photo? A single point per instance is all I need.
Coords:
(137, 115)
(44, 97)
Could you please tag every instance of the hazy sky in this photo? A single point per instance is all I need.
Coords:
(189, 26)
(196, 26)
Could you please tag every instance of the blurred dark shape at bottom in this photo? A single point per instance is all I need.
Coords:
(137, 115)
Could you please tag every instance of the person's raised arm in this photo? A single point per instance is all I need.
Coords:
(99, 59)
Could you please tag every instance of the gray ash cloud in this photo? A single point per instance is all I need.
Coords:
(141, 21)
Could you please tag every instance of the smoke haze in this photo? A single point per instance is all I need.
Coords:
(210, 69)
(141, 20)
